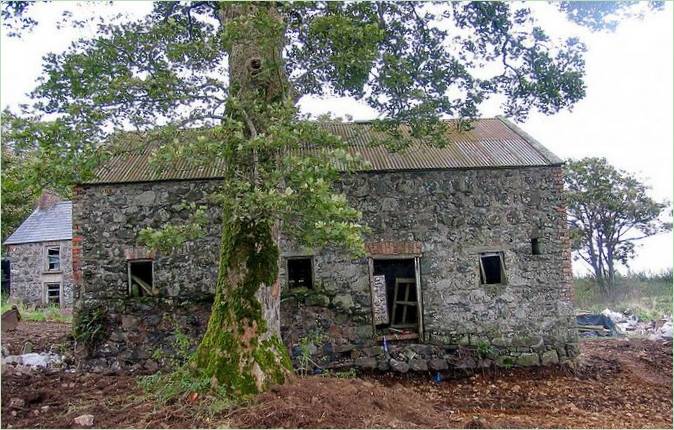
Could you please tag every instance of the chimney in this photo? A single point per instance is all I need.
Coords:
(48, 199)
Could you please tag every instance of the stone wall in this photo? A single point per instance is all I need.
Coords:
(29, 273)
(454, 215)
(450, 215)
(106, 222)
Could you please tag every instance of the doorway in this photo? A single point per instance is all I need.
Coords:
(400, 285)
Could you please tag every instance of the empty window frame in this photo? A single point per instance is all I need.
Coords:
(300, 273)
(53, 293)
(492, 269)
(53, 258)
(535, 246)
(141, 278)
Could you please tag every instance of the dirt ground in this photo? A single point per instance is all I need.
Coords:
(617, 384)
(42, 335)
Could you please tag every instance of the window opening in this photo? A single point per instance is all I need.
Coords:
(54, 258)
(54, 294)
(535, 246)
(400, 297)
(491, 268)
(141, 282)
(300, 273)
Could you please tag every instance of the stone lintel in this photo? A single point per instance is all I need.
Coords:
(393, 248)
(139, 253)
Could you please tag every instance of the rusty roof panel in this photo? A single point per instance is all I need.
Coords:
(493, 142)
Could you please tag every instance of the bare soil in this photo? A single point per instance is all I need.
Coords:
(617, 384)
(42, 335)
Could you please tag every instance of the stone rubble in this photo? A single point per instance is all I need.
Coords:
(84, 420)
(33, 360)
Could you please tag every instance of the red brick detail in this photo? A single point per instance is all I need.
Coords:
(77, 255)
(139, 253)
(393, 248)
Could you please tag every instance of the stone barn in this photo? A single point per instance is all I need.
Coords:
(39, 254)
(468, 260)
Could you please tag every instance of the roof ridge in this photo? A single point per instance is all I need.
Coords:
(545, 152)
(368, 121)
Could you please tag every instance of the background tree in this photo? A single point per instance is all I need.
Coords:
(608, 211)
(38, 155)
(236, 71)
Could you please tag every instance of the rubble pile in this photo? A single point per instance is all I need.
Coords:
(612, 323)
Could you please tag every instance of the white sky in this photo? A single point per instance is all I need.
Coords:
(626, 116)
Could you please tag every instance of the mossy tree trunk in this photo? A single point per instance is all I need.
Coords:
(242, 348)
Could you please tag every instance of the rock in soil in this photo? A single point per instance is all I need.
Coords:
(16, 402)
(614, 384)
(84, 420)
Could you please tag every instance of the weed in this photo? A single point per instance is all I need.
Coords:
(348, 374)
(90, 326)
(484, 350)
(305, 345)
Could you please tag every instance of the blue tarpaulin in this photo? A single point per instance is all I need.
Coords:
(597, 319)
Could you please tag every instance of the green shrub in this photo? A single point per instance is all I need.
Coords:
(90, 326)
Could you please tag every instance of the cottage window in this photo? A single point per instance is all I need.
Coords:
(535, 246)
(53, 258)
(141, 279)
(300, 272)
(492, 270)
(53, 293)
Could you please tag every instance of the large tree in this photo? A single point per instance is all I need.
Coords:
(608, 211)
(233, 73)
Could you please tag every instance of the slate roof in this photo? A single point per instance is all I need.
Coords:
(492, 143)
(53, 223)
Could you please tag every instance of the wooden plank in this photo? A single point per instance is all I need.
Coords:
(390, 337)
(379, 301)
(417, 284)
(146, 287)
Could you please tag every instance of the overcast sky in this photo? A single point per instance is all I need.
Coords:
(625, 117)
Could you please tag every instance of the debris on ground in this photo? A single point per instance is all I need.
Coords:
(623, 323)
(664, 331)
(86, 420)
(612, 323)
(43, 336)
(616, 383)
(33, 359)
(10, 319)
(591, 325)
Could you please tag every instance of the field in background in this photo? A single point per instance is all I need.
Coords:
(49, 313)
(646, 295)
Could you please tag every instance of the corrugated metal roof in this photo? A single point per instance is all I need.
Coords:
(492, 142)
(53, 223)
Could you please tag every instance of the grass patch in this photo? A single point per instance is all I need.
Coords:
(51, 313)
(185, 385)
(645, 294)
